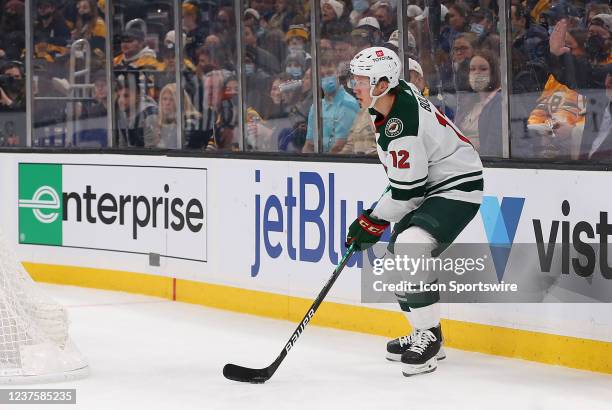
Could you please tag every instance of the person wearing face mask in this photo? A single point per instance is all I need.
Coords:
(12, 30)
(12, 87)
(360, 10)
(257, 80)
(338, 110)
(295, 65)
(454, 74)
(51, 34)
(591, 77)
(481, 124)
(90, 26)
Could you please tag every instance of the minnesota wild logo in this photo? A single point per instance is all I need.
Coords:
(394, 127)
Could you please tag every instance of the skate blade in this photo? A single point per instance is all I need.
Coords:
(414, 370)
(393, 357)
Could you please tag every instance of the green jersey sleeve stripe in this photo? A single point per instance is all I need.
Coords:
(453, 179)
(415, 182)
(407, 194)
(468, 186)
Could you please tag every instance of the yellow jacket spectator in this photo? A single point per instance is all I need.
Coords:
(558, 104)
(90, 26)
(51, 33)
(135, 54)
(361, 138)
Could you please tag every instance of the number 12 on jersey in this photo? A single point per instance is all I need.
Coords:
(400, 159)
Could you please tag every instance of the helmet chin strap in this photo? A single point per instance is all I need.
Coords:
(376, 97)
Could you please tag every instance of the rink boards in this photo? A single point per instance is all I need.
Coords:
(261, 237)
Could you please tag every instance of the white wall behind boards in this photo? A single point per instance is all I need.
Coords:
(279, 226)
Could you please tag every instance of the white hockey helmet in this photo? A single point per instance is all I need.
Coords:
(377, 63)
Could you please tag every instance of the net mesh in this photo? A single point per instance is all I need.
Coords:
(28, 318)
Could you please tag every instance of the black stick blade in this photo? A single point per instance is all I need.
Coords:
(245, 374)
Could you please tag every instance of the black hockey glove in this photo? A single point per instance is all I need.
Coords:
(365, 231)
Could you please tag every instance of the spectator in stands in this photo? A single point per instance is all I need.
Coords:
(224, 27)
(135, 54)
(195, 31)
(12, 30)
(458, 22)
(206, 90)
(297, 40)
(555, 125)
(251, 19)
(338, 110)
(264, 7)
(92, 115)
(295, 66)
(273, 41)
(227, 120)
(137, 115)
(361, 9)
(483, 25)
(168, 63)
(96, 107)
(51, 34)
(209, 58)
(257, 80)
(591, 77)
(90, 26)
(286, 12)
(410, 45)
(455, 72)
(277, 107)
(259, 135)
(168, 122)
(12, 87)
(361, 139)
(387, 18)
(333, 22)
(258, 5)
(299, 98)
(416, 76)
(264, 60)
(482, 123)
(371, 28)
(593, 9)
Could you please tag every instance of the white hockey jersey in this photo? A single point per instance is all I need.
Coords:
(424, 155)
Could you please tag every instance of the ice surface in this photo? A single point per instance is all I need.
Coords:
(151, 354)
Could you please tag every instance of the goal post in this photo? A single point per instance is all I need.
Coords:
(35, 346)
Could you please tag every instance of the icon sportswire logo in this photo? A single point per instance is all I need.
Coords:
(40, 204)
(500, 223)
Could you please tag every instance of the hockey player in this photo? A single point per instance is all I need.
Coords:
(435, 189)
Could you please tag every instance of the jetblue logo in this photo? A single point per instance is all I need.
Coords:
(501, 222)
(288, 216)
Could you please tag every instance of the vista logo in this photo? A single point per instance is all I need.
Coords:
(501, 222)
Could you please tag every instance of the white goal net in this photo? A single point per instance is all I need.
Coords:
(34, 341)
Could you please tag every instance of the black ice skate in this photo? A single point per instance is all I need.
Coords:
(421, 356)
(397, 347)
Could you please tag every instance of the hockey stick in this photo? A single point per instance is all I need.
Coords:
(246, 374)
